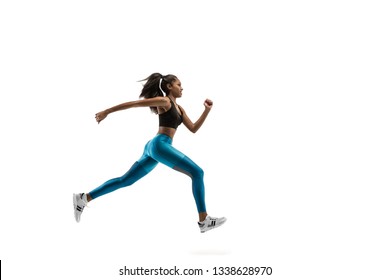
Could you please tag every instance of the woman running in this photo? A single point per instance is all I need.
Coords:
(160, 94)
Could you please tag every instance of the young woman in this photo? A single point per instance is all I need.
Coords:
(160, 94)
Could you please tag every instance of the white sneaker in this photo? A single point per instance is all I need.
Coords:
(79, 202)
(210, 223)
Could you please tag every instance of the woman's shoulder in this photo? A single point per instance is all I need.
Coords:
(159, 98)
(165, 106)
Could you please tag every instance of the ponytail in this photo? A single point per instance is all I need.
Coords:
(156, 85)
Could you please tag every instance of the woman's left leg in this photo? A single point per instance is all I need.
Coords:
(163, 151)
(191, 169)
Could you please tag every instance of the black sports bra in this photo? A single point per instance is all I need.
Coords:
(170, 118)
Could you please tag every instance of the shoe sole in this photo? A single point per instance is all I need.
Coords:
(75, 207)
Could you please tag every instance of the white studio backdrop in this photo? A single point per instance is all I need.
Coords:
(295, 150)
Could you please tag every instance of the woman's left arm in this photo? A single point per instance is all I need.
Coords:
(193, 127)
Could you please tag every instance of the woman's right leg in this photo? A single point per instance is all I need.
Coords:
(137, 171)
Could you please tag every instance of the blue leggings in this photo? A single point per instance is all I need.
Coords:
(159, 149)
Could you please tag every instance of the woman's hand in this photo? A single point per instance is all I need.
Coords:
(101, 116)
(208, 104)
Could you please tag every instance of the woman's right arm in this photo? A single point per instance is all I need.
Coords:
(150, 102)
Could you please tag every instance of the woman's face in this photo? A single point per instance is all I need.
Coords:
(175, 88)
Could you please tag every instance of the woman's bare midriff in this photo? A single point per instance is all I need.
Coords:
(167, 131)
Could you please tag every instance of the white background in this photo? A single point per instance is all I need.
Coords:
(295, 151)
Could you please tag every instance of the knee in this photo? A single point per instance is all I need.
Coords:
(123, 181)
(198, 172)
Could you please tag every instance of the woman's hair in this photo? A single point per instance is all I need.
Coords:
(156, 85)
